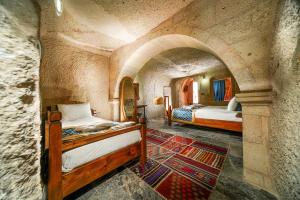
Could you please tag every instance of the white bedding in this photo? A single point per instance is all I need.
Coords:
(218, 113)
(83, 122)
(78, 156)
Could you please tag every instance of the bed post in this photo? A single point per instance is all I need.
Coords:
(170, 115)
(143, 157)
(54, 143)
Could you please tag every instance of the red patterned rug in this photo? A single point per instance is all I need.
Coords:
(179, 167)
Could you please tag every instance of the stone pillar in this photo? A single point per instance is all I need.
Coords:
(115, 109)
(256, 131)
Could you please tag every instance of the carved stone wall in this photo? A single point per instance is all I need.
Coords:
(19, 101)
(151, 86)
(285, 120)
(71, 70)
(71, 74)
(256, 138)
(238, 32)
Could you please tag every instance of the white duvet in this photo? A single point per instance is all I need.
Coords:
(218, 113)
(83, 122)
(81, 155)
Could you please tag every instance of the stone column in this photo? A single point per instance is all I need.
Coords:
(256, 131)
(115, 109)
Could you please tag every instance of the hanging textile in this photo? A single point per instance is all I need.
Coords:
(219, 90)
(228, 89)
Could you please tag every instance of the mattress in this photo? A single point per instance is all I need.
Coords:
(81, 155)
(217, 113)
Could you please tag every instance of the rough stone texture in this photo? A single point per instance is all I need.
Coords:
(70, 74)
(152, 82)
(71, 71)
(285, 124)
(183, 62)
(19, 101)
(107, 24)
(238, 32)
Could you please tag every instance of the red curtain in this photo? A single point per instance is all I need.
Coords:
(186, 92)
(228, 89)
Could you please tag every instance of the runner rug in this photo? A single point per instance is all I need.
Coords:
(179, 167)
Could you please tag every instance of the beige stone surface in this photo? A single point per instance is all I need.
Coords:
(74, 67)
(252, 129)
(20, 137)
(285, 121)
(256, 157)
(183, 62)
(256, 108)
(253, 177)
(109, 24)
(244, 56)
(70, 74)
(152, 83)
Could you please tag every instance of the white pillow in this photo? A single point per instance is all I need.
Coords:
(72, 112)
(232, 104)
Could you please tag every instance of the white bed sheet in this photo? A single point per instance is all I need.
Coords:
(83, 122)
(218, 113)
(81, 155)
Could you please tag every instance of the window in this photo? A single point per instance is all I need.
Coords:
(222, 89)
(195, 92)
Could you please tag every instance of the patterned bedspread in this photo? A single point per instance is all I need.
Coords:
(183, 114)
(95, 128)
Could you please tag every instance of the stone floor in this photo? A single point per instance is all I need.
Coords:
(124, 184)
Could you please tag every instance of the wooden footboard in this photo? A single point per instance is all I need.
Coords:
(62, 184)
(222, 124)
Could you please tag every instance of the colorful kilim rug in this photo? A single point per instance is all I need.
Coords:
(179, 167)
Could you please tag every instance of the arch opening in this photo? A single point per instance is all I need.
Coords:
(148, 50)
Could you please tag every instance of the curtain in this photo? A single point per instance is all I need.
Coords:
(228, 89)
(219, 90)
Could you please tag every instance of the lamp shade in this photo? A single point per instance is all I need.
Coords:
(158, 101)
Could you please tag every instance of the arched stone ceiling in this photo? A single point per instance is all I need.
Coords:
(181, 62)
(110, 24)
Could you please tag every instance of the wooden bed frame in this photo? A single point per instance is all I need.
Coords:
(62, 184)
(212, 123)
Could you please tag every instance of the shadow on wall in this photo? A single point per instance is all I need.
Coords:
(61, 96)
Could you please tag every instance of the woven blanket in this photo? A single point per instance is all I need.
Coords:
(95, 128)
(183, 114)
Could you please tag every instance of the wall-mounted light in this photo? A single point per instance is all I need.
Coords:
(204, 79)
(58, 7)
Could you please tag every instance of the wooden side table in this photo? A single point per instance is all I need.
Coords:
(143, 106)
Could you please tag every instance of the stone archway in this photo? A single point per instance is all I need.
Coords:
(135, 59)
(128, 60)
